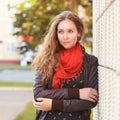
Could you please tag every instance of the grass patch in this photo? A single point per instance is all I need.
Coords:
(28, 113)
(15, 84)
(14, 67)
(91, 116)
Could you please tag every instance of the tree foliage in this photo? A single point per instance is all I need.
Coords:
(32, 16)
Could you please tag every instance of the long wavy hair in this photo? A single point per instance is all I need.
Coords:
(47, 60)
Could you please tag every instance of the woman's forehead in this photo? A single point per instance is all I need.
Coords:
(66, 24)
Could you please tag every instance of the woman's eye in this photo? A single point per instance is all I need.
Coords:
(60, 31)
(70, 31)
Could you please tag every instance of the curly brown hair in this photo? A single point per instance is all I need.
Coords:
(47, 60)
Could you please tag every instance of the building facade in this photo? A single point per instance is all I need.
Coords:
(8, 42)
(106, 46)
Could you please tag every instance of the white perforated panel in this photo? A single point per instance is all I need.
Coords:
(106, 46)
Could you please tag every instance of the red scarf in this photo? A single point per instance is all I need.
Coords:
(70, 65)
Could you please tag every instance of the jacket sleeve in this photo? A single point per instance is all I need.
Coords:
(39, 90)
(73, 105)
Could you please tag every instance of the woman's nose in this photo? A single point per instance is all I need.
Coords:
(65, 36)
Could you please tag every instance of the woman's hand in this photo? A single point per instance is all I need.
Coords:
(43, 104)
(88, 94)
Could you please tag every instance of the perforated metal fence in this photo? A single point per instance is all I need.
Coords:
(106, 46)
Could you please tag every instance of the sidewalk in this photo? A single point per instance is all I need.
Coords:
(13, 101)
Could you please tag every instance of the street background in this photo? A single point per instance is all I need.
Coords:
(14, 99)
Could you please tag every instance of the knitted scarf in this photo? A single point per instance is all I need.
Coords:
(70, 65)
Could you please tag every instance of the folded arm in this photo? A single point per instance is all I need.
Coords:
(39, 90)
(80, 104)
(69, 105)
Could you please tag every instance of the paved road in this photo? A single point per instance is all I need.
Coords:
(17, 75)
(13, 101)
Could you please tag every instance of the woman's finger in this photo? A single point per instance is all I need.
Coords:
(92, 100)
(94, 97)
(39, 99)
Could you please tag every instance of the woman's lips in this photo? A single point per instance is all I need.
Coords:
(66, 42)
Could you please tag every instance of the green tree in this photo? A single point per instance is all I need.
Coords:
(32, 16)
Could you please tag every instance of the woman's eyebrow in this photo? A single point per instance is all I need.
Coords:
(67, 29)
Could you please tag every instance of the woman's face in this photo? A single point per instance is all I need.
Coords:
(67, 33)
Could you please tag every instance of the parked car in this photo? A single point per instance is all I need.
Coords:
(26, 53)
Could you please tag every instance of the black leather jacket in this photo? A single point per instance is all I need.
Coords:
(90, 72)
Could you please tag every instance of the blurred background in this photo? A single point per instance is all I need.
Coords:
(23, 24)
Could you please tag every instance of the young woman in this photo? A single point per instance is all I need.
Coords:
(66, 82)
